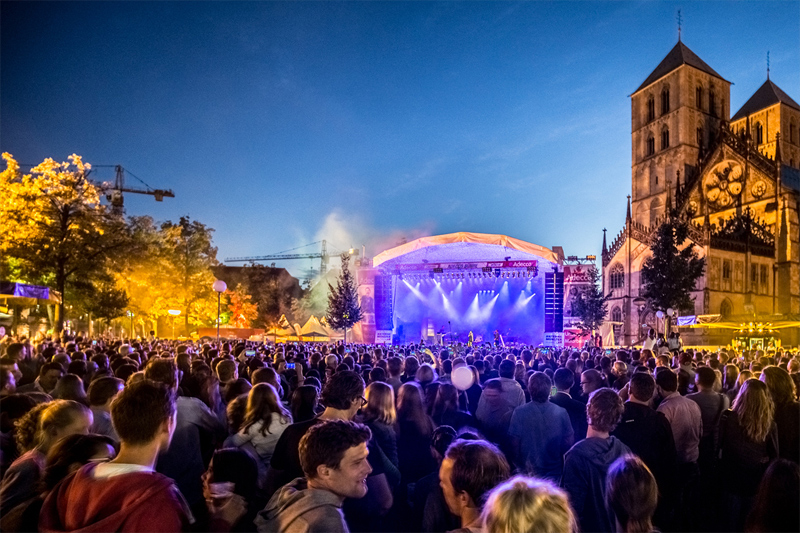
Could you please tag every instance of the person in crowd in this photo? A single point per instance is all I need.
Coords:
(512, 391)
(591, 380)
(686, 422)
(428, 507)
(70, 387)
(125, 494)
(748, 441)
(304, 403)
(563, 380)
(233, 475)
(410, 367)
(470, 469)
(777, 502)
(49, 374)
(183, 459)
(787, 411)
(631, 495)
(55, 421)
(647, 432)
(264, 421)
(380, 417)
(395, 370)
(414, 431)
(102, 392)
(712, 404)
(496, 415)
(528, 505)
(588, 461)
(333, 455)
(540, 432)
(446, 409)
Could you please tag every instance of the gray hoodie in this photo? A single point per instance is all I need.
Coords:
(297, 509)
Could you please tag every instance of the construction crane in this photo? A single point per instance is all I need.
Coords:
(322, 256)
(114, 191)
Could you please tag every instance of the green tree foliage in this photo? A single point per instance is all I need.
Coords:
(670, 274)
(591, 305)
(344, 310)
(271, 298)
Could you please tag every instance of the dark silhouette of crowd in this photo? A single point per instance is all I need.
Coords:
(158, 435)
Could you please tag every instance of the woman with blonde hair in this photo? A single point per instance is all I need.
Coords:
(380, 416)
(632, 494)
(748, 441)
(528, 505)
(265, 420)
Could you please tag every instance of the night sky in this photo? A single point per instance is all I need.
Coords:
(279, 124)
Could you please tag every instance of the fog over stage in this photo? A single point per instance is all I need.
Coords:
(445, 286)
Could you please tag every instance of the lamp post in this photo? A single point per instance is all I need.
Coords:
(174, 313)
(130, 315)
(640, 303)
(219, 287)
(670, 314)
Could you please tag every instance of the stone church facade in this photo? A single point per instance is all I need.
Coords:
(736, 179)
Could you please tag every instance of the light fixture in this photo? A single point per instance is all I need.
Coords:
(219, 287)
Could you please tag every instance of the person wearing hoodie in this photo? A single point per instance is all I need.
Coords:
(125, 494)
(333, 455)
(587, 462)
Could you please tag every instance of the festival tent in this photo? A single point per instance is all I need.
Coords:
(313, 330)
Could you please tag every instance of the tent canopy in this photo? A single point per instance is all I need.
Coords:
(12, 293)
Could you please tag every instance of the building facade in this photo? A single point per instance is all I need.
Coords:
(735, 179)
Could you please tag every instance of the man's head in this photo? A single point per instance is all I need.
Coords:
(563, 379)
(227, 370)
(49, 375)
(8, 383)
(334, 455)
(604, 410)
(705, 378)
(144, 412)
(506, 369)
(591, 380)
(15, 350)
(642, 386)
(539, 385)
(395, 366)
(103, 390)
(163, 371)
(470, 470)
(667, 381)
(343, 391)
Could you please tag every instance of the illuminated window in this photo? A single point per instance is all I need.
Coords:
(616, 279)
(665, 101)
(726, 269)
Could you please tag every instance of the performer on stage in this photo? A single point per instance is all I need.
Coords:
(469, 339)
(496, 338)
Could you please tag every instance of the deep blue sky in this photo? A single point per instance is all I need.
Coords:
(280, 124)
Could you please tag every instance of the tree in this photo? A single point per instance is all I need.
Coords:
(242, 310)
(670, 274)
(344, 310)
(271, 298)
(591, 305)
(54, 228)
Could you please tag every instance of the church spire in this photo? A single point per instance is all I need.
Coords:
(605, 247)
(628, 212)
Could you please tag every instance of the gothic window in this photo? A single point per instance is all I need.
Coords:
(655, 211)
(700, 137)
(764, 280)
(754, 278)
(616, 280)
(712, 104)
(651, 109)
(665, 101)
(698, 97)
(651, 145)
(759, 133)
(792, 132)
(665, 138)
(727, 274)
(616, 317)
(726, 309)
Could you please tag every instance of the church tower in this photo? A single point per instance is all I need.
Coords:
(674, 115)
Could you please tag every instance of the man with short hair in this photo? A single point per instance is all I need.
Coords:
(586, 463)
(333, 455)
(125, 494)
(395, 368)
(49, 375)
(563, 380)
(469, 471)
(512, 391)
(101, 394)
(540, 431)
(712, 404)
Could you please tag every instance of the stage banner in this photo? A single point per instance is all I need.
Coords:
(383, 302)
(383, 336)
(576, 277)
(366, 298)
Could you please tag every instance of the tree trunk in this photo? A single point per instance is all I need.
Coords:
(61, 283)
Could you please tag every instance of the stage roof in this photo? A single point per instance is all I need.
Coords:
(463, 246)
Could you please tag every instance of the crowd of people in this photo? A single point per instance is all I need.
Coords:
(159, 435)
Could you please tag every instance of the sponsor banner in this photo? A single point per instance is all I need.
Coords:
(576, 277)
(575, 338)
(554, 338)
(476, 265)
(383, 336)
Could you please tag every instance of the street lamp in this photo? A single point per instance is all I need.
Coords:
(174, 313)
(640, 303)
(219, 287)
(130, 315)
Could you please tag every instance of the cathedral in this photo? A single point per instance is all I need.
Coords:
(736, 179)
